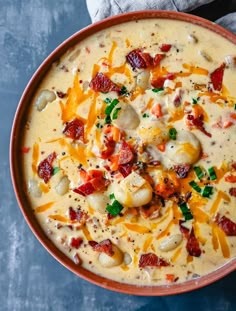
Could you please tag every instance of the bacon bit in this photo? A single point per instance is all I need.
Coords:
(61, 94)
(232, 116)
(167, 186)
(152, 210)
(230, 178)
(25, 149)
(223, 124)
(170, 278)
(157, 59)
(125, 153)
(192, 246)
(74, 130)
(227, 225)
(76, 242)
(101, 83)
(151, 260)
(77, 259)
(198, 123)
(138, 59)
(233, 165)
(77, 215)
(110, 147)
(125, 169)
(45, 169)
(104, 246)
(183, 230)
(85, 189)
(156, 110)
(165, 47)
(182, 170)
(217, 77)
(232, 191)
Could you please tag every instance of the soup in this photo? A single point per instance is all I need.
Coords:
(129, 152)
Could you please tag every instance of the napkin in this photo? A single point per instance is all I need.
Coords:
(100, 9)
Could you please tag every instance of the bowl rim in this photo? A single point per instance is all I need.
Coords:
(162, 290)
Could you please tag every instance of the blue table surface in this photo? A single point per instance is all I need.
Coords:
(30, 278)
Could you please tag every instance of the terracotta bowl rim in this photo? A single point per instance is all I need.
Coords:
(16, 171)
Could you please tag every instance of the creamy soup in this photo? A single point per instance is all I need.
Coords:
(129, 152)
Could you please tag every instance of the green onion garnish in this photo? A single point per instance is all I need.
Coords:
(172, 133)
(207, 191)
(115, 208)
(56, 170)
(112, 105)
(111, 196)
(124, 91)
(145, 115)
(195, 186)
(194, 101)
(212, 173)
(107, 100)
(115, 113)
(158, 89)
(198, 171)
(185, 211)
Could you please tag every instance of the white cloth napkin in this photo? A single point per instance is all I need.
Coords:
(100, 9)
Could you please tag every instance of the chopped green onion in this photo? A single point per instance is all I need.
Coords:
(124, 91)
(172, 133)
(112, 196)
(207, 191)
(115, 113)
(212, 173)
(194, 101)
(158, 89)
(145, 115)
(198, 171)
(115, 208)
(112, 105)
(185, 211)
(56, 170)
(107, 100)
(107, 120)
(195, 186)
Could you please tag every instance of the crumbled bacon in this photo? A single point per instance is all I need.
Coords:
(152, 260)
(217, 77)
(125, 153)
(183, 230)
(182, 170)
(125, 169)
(198, 123)
(101, 83)
(232, 191)
(157, 59)
(192, 246)
(77, 215)
(74, 130)
(230, 178)
(45, 169)
(152, 210)
(61, 94)
(138, 59)
(158, 82)
(104, 246)
(227, 225)
(93, 181)
(76, 242)
(165, 47)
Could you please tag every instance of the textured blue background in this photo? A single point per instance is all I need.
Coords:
(30, 279)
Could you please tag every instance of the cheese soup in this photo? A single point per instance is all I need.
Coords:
(129, 152)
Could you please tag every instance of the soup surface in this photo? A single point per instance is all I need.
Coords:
(129, 152)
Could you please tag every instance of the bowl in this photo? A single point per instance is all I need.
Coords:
(16, 170)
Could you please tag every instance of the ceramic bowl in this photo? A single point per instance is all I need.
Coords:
(16, 170)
